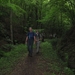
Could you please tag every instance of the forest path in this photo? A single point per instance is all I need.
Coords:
(34, 66)
(39, 64)
(27, 66)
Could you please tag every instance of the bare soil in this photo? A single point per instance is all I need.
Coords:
(27, 66)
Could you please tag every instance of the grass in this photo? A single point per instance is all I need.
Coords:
(54, 64)
(7, 62)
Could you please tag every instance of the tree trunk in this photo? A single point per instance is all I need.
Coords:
(11, 25)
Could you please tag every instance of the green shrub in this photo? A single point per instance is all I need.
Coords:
(68, 71)
(7, 47)
(7, 62)
(56, 64)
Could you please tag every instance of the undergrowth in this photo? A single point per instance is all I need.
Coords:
(56, 65)
(7, 62)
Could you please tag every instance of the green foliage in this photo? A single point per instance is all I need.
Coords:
(54, 63)
(7, 62)
(68, 71)
(66, 48)
(48, 51)
(49, 16)
(16, 9)
(7, 47)
(58, 16)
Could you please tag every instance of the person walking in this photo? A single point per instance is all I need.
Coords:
(37, 42)
(30, 40)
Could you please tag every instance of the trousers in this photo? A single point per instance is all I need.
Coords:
(30, 47)
(37, 46)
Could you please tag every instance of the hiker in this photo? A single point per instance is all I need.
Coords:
(30, 40)
(38, 38)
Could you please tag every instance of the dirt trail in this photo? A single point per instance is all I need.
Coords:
(27, 66)
(36, 65)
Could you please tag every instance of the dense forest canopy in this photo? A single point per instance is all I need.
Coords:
(53, 16)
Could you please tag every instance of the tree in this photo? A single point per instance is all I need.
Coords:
(11, 25)
(12, 9)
